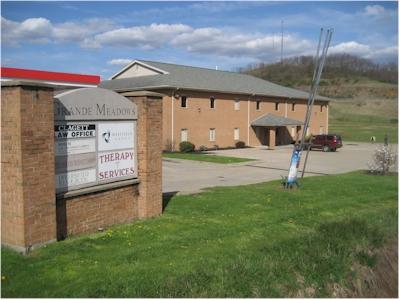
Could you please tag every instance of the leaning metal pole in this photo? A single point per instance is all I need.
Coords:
(315, 84)
(316, 58)
(323, 58)
(316, 62)
(309, 108)
(319, 65)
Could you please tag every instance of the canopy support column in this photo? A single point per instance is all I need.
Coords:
(272, 136)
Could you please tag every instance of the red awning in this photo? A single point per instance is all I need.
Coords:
(49, 76)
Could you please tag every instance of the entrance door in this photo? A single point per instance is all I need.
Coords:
(278, 136)
(262, 134)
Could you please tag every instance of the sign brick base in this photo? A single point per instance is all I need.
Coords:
(31, 215)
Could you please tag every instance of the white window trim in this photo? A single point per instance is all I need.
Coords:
(236, 130)
(187, 102)
(237, 104)
(187, 134)
(212, 135)
(215, 103)
(259, 106)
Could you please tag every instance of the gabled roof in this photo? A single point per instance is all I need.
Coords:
(272, 120)
(143, 64)
(194, 78)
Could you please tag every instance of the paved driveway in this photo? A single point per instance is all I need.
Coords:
(185, 176)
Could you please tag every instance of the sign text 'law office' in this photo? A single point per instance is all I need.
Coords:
(94, 148)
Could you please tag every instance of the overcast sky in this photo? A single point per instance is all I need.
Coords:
(101, 37)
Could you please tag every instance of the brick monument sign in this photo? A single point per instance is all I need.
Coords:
(82, 160)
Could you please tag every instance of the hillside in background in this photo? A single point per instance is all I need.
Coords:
(344, 76)
(364, 94)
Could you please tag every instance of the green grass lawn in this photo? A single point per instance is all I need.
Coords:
(246, 241)
(345, 120)
(206, 157)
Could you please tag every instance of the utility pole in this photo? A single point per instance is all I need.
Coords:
(281, 41)
(273, 42)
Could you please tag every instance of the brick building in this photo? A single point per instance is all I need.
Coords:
(209, 107)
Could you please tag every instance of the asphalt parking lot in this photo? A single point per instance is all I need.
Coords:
(185, 176)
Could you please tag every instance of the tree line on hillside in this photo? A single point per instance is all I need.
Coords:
(297, 71)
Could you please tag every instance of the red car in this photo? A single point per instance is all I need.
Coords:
(326, 142)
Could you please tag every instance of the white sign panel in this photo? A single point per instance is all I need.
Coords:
(75, 178)
(74, 130)
(116, 164)
(95, 139)
(115, 135)
(74, 146)
(76, 162)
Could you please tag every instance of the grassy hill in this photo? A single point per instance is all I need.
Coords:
(365, 95)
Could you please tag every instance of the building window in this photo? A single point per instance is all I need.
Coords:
(321, 108)
(276, 106)
(258, 105)
(237, 104)
(184, 135)
(212, 102)
(212, 134)
(293, 131)
(308, 131)
(183, 101)
(236, 134)
(293, 106)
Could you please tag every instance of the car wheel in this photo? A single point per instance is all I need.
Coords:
(333, 149)
(326, 148)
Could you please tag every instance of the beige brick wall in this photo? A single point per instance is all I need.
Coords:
(12, 207)
(149, 155)
(88, 213)
(198, 117)
(28, 197)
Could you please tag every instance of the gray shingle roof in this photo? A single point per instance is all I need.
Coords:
(272, 120)
(186, 77)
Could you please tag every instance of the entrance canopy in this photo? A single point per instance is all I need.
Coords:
(270, 120)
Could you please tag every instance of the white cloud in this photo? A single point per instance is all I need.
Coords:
(384, 54)
(206, 40)
(78, 31)
(119, 62)
(219, 42)
(351, 48)
(374, 10)
(41, 30)
(378, 13)
(34, 30)
(146, 37)
(366, 51)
